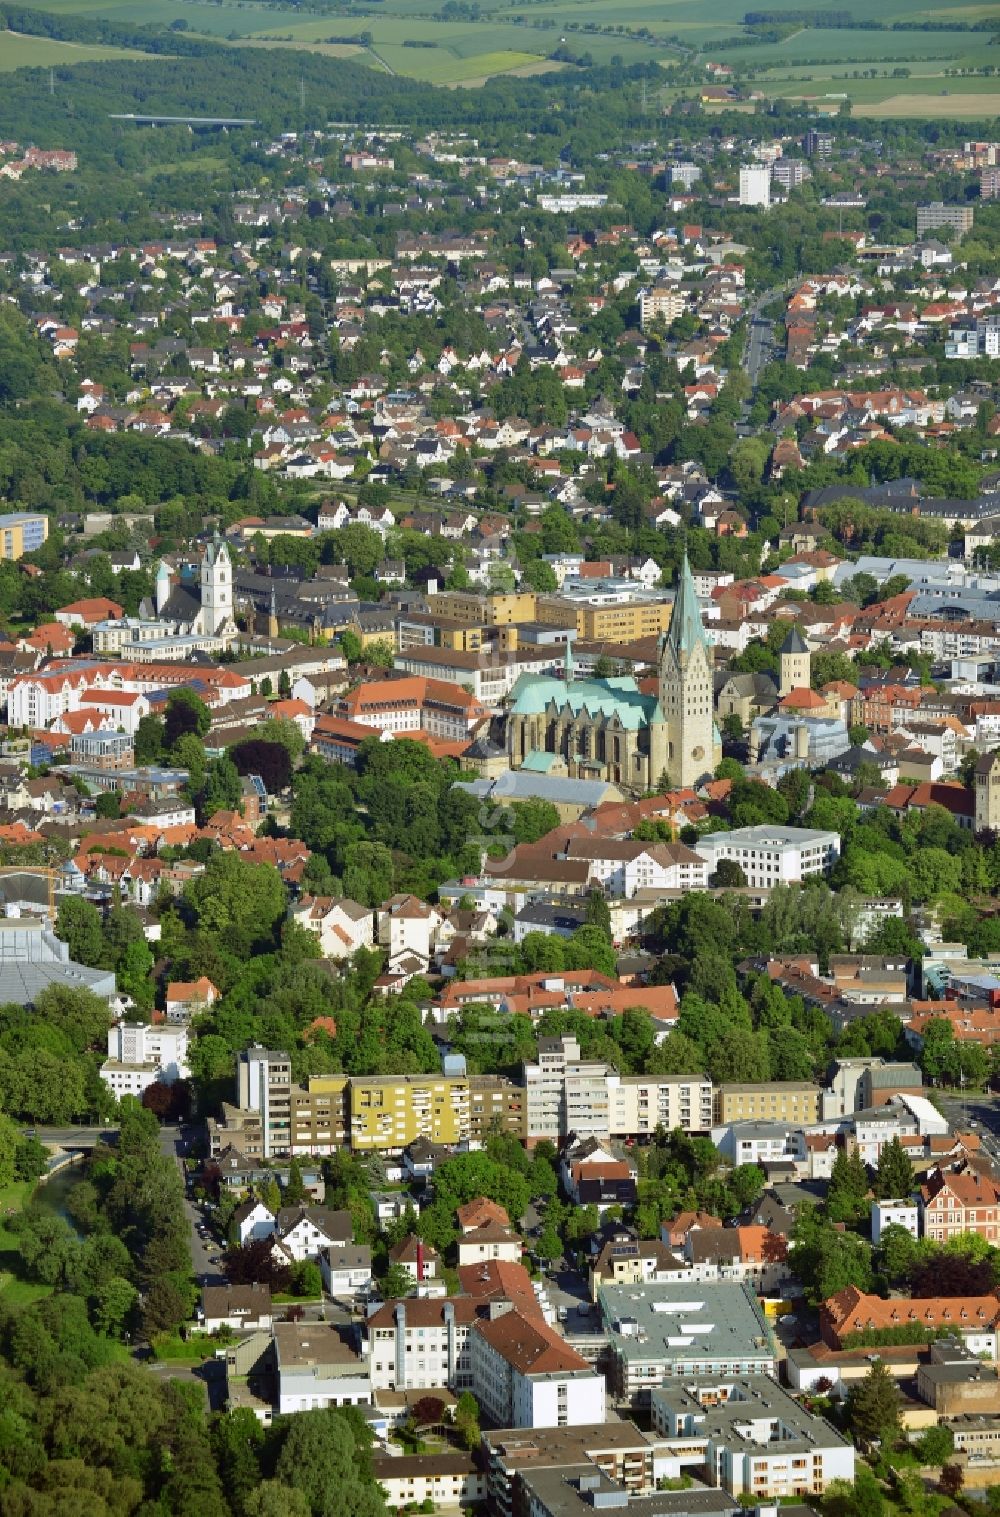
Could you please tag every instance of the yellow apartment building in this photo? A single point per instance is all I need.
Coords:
(794, 1101)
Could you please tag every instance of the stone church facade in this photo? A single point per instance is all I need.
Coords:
(611, 730)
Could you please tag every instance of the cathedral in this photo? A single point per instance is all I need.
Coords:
(610, 729)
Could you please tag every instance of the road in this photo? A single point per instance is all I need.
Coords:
(759, 347)
(973, 1112)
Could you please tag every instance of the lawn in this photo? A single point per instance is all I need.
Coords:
(20, 51)
(15, 1292)
(192, 165)
(172, 1348)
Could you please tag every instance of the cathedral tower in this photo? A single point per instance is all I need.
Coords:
(796, 663)
(216, 589)
(686, 691)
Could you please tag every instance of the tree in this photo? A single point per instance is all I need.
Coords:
(273, 1498)
(599, 912)
(325, 1456)
(108, 806)
(728, 873)
(531, 820)
(397, 1283)
(540, 576)
(466, 1417)
(295, 1190)
(78, 923)
(185, 713)
(846, 1197)
(872, 1404)
(898, 1253)
(893, 1173)
(10, 1137)
(163, 1308)
(306, 1279)
(935, 1446)
(952, 1480)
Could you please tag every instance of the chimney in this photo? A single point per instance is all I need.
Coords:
(420, 1261)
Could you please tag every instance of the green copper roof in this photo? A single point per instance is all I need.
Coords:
(619, 697)
(686, 629)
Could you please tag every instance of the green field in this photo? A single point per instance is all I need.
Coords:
(18, 51)
(515, 36)
(438, 66)
(15, 1292)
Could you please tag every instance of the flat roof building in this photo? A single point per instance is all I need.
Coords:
(658, 1332)
(748, 1435)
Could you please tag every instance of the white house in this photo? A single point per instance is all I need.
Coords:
(905, 1213)
(525, 1375)
(342, 926)
(253, 1221)
(244, 1308)
(491, 1241)
(303, 1232)
(407, 925)
(186, 997)
(346, 1268)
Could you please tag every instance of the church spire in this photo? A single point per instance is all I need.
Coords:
(686, 629)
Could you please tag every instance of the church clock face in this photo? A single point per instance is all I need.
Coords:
(698, 753)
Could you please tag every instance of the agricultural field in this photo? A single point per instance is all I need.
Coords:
(18, 51)
(440, 66)
(519, 36)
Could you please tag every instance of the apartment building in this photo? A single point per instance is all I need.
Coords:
(22, 532)
(444, 1479)
(618, 1450)
(956, 1203)
(619, 622)
(772, 855)
(755, 185)
(747, 1435)
(317, 1366)
(792, 1102)
(495, 1103)
(421, 1343)
(564, 1093)
(264, 1086)
(524, 1374)
(274, 1118)
(938, 216)
(387, 1112)
(663, 1332)
(498, 610)
(663, 302)
(638, 1104)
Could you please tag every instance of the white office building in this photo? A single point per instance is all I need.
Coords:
(773, 855)
(525, 1375)
(141, 1055)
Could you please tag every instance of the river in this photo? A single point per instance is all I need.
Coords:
(54, 1194)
